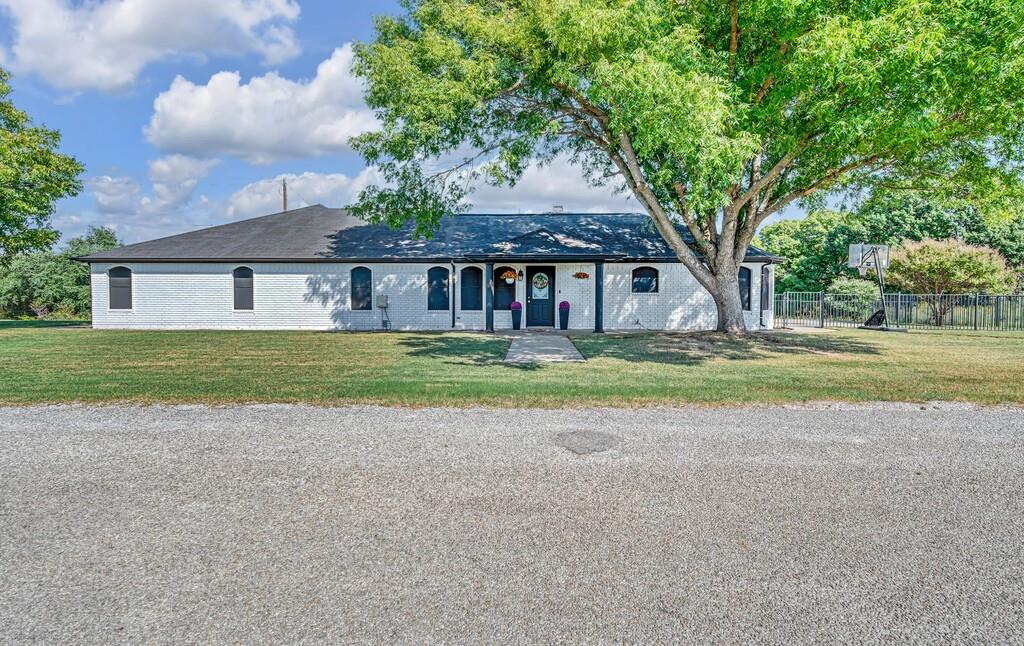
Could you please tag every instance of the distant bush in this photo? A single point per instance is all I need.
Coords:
(852, 297)
(47, 284)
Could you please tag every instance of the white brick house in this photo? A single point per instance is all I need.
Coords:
(318, 268)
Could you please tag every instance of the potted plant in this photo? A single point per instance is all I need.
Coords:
(563, 315)
(517, 314)
(509, 276)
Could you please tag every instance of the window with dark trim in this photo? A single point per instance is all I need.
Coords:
(472, 289)
(437, 288)
(243, 288)
(504, 293)
(120, 282)
(745, 287)
(645, 280)
(362, 288)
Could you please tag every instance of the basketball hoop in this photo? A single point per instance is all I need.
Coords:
(864, 257)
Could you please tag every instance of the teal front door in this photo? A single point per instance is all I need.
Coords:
(540, 296)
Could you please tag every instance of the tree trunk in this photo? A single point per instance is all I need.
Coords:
(728, 302)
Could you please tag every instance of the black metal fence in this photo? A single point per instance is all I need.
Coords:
(928, 311)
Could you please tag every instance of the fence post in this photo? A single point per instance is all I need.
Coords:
(785, 309)
(999, 313)
(899, 297)
(821, 309)
(976, 297)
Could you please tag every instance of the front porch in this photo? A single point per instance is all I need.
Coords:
(540, 287)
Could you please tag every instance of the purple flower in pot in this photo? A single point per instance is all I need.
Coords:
(517, 314)
(563, 315)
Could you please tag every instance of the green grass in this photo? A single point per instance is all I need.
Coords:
(53, 364)
(33, 323)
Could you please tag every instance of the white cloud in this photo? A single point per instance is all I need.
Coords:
(116, 195)
(268, 118)
(105, 44)
(559, 183)
(331, 189)
(173, 179)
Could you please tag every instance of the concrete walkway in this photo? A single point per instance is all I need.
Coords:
(541, 347)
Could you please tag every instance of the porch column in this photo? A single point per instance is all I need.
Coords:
(489, 295)
(599, 296)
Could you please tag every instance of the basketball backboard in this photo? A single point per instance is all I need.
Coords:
(868, 256)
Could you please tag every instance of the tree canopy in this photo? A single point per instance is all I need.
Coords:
(816, 246)
(713, 114)
(33, 176)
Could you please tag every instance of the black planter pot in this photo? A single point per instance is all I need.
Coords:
(517, 319)
(563, 319)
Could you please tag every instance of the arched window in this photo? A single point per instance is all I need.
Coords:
(745, 287)
(645, 280)
(504, 292)
(437, 288)
(120, 282)
(472, 289)
(243, 288)
(362, 288)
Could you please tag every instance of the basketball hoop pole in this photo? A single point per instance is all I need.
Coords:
(881, 281)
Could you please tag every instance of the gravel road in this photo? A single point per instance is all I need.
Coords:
(287, 524)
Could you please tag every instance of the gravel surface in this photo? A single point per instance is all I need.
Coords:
(286, 524)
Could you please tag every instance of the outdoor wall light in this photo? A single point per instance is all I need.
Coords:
(520, 274)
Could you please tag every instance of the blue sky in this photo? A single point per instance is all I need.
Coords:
(187, 113)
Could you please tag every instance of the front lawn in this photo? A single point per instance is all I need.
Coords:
(47, 364)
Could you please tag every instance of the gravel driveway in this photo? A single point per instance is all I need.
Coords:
(282, 523)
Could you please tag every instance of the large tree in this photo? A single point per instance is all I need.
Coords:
(33, 176)
(714, 114)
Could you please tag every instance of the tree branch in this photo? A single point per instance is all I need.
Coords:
(772, 174)
(630, 168)
(750, 226)
(700, 237)
(734, 34)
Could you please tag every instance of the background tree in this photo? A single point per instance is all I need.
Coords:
(33, 176)
(45, 284)
(816, 247)
(935, 268)
(713, 114)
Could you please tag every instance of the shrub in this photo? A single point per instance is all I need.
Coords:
(939, 267)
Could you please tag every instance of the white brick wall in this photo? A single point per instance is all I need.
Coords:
(681, 303)
(317, 295)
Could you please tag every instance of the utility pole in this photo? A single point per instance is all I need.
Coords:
(284, 193)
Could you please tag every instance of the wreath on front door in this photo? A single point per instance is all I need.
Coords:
(540, 281)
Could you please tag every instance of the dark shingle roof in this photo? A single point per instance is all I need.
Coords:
(317, 233)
